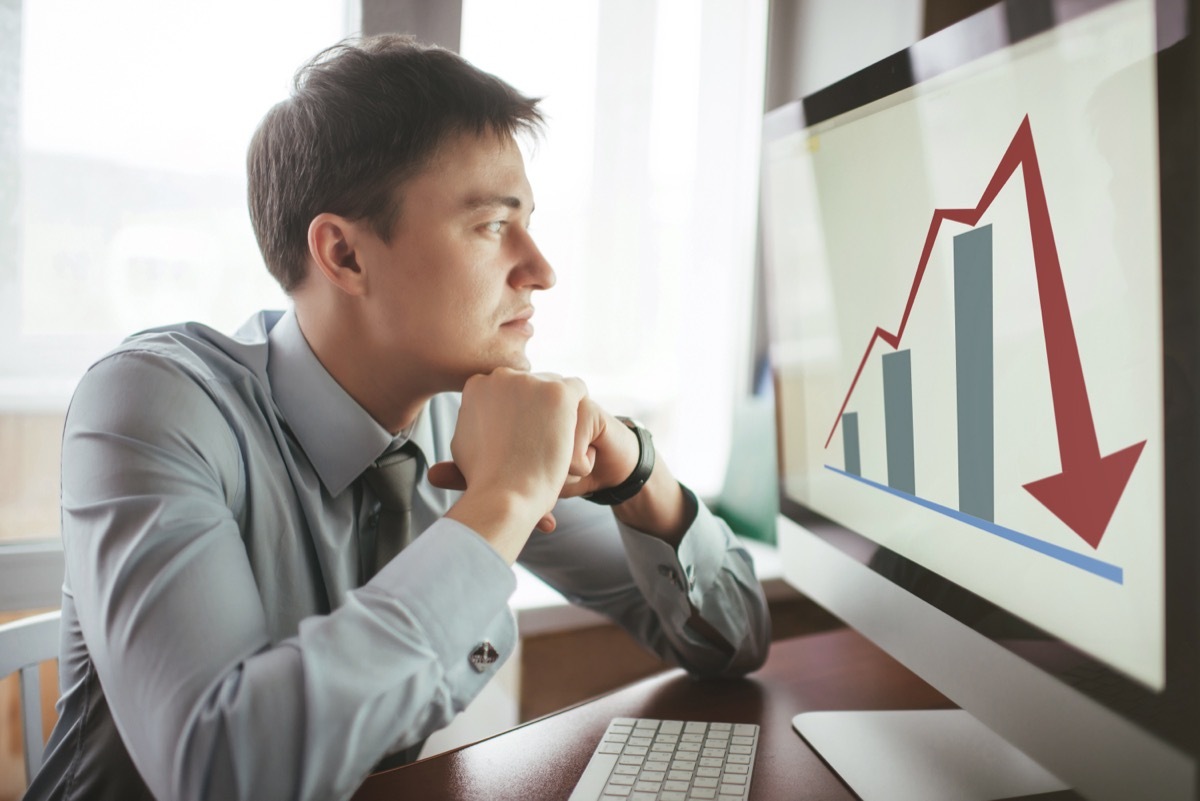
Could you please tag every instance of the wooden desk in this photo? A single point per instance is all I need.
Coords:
(544, 758)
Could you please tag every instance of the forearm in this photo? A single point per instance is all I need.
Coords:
(213, 710)
(654, 589)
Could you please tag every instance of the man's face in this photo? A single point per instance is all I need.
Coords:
(451, 291)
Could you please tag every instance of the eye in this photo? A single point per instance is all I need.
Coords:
(495, 226)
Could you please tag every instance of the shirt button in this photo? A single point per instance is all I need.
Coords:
(483, 657)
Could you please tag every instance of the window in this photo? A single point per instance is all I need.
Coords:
(122, 187)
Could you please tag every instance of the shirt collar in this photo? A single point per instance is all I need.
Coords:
(340, 438)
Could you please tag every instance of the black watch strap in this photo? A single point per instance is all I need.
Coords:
(640, 475)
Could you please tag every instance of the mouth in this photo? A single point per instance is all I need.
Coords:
(520, 322)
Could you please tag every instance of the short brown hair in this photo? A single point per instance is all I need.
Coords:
(364, 116)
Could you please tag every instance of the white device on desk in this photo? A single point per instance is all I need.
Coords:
(644, 759)
(982, 260)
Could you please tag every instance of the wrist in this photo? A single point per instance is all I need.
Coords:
(641, 472)
(662, 509)
(503, 517)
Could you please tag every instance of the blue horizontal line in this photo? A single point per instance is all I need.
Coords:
(1082, 561)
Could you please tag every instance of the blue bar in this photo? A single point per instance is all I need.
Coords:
(898, 420)
(850, 443)
(974, 373)
(1104, 570)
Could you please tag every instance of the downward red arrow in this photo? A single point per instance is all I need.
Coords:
(1085, 494)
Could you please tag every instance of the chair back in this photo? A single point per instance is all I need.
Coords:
(24, 644)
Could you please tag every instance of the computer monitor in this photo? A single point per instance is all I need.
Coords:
(984, 305)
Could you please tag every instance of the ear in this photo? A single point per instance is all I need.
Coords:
(332, 245)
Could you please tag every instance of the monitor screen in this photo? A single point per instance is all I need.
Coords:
(971, 270)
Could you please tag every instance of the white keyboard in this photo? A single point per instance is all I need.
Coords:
(642, 759)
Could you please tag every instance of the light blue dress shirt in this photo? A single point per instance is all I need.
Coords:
(219, 640)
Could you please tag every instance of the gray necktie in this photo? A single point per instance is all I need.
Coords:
(393, 479)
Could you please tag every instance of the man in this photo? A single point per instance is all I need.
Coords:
(248, 609)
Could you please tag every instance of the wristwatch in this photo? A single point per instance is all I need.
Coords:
(640, 475)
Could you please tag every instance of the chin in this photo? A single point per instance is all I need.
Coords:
(515, 361)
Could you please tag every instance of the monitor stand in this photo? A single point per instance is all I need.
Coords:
(922, 755)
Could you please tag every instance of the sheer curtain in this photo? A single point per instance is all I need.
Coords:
(646, 191)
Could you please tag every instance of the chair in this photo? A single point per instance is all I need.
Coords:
(23, 645)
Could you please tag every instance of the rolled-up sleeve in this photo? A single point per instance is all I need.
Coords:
(170, 610)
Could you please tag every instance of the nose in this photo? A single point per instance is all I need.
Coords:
(531, 270)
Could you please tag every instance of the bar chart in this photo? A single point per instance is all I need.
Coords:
(1085, 494)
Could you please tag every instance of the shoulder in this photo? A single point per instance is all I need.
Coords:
(204, 352)
(173, 383)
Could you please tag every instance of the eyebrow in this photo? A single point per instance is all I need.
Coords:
(487, 201)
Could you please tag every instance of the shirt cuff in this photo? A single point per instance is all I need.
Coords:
(680, 575)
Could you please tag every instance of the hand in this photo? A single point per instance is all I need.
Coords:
(513, 448)
(607, 444)
(605, 453)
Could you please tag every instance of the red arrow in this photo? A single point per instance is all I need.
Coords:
(1085, 494)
